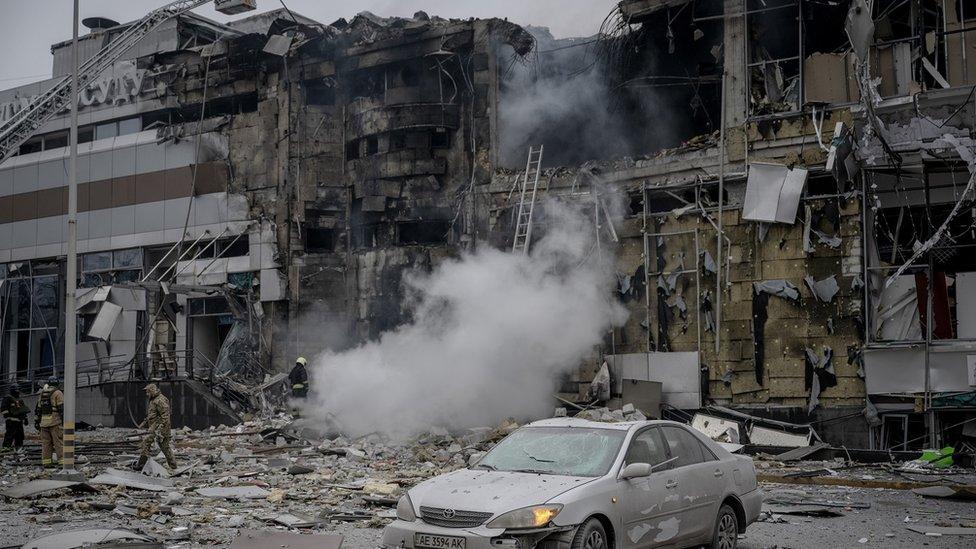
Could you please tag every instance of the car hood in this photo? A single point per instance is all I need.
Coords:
(491, 491)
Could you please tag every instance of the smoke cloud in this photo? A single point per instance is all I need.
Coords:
(491, 332)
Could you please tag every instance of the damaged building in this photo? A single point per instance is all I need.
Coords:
(793, 175)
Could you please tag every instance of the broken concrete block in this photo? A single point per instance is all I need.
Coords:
(299, 469)
(355, 455)
(627, 408)
(560, 412)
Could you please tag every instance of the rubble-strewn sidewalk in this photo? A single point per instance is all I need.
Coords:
(256, 475)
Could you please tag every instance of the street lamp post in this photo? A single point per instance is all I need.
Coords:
(70, 368)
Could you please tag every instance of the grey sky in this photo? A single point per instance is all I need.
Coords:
(29, 27)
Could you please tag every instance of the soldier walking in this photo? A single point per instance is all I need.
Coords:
(47, 419)
(158, 420)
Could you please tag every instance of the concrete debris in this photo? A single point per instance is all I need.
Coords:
(131, 479)
(234, 492)
(36, 487)
(154, 469)
(254, 539)
(91, 538)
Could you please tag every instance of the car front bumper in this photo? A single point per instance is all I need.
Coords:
(400, 534)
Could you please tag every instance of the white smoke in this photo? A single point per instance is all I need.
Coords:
(491, 332)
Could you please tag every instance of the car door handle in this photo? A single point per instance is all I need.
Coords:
(719, 473)
(671, 484)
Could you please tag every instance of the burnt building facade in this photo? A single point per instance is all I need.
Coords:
(776, 182)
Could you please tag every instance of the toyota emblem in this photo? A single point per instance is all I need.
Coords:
(449, 513)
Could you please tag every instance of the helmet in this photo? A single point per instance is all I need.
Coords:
(53, 380)
(301, 360)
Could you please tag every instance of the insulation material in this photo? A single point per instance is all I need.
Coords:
(760, 303)
(678, 372)
(966, 305)
(836, 81)
(779, 288)
(818, 374)
(773, 193)
(860, 28)
(105, 321)
(824, 290)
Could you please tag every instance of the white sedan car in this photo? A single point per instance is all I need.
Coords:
(574, 484)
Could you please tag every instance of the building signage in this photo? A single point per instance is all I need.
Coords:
(121, 84)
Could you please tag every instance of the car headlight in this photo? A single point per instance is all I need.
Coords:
(405, 509)
(536, 516)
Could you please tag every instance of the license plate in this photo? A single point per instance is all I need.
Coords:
(431, 541)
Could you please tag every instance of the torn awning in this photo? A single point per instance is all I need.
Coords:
(88, 295)
(773, 193)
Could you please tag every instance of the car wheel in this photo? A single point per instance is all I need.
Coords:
(591, 536)
(726, 534)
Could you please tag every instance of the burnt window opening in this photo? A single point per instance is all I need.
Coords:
(367, 84)
(319, 240)
(234, 247)
(372, 145)
(398, 140)
(821, 185)
(156, 119)
(665, 201)
(366, 235)
(55, 140)
(320, 93)
(440, 138)
(32, 145)
(422, 232)
(774, 56)
(352, 149)
(405, 76)
(966, 10)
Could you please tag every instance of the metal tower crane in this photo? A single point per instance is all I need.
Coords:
(22, 125)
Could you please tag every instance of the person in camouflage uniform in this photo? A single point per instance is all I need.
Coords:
(158, 420)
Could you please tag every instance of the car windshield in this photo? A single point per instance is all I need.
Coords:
(573, 451)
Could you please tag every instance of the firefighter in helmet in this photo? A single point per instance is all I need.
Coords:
(48, 414)
(299, 378)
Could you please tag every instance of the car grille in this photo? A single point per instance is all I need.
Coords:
(450, 518)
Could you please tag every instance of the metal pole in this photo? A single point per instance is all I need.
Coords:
(70, 370)
(718, 247)
(929, 322)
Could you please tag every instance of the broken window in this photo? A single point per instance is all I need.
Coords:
(366, 235)
(352, 149)
(55, 140)
(30, 319)
(440, 138)
(398, 140)
(320, 93)
(775, 31)
(105, 268)
(422, 232)
(32, 145)
(913, 204)
(319, 240)
(372, 145)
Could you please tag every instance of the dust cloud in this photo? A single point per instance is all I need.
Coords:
(491, 332)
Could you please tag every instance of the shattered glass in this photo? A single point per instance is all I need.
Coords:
(556, 450)
(235, 353)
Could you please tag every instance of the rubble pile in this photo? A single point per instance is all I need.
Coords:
(273, 473)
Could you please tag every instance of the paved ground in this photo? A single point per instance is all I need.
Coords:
(882, 525)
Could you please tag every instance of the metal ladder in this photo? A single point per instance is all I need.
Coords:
(523, 222)
(22, 125)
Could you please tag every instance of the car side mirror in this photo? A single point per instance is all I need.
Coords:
(636, 470)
